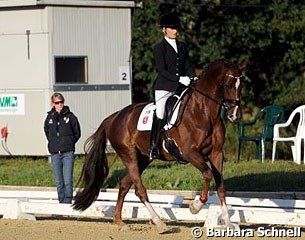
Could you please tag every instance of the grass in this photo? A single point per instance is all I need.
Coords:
(243, 176)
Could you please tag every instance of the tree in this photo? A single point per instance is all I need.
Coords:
(269, 35)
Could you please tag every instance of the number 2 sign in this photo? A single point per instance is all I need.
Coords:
(124, 75)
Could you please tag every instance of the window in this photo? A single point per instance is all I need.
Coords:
(71, 69)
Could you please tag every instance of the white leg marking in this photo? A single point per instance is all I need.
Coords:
(151, 211)
(161, 226)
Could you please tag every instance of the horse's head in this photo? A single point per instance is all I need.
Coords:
(231, 86)
(227, 79)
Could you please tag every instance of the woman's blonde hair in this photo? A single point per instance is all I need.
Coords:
(58, 96)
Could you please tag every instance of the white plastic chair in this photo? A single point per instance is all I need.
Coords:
(297, 140)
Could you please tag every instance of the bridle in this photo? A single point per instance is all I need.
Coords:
(231, 103)
(224, 102)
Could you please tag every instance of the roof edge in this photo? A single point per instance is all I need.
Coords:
(17, 3)
(85, 3)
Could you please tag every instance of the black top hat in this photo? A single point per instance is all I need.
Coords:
(170, 20)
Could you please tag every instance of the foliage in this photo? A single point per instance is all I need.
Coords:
(268, 35)
(246, 175)
(30, 172)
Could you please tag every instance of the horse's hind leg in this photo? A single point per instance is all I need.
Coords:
(125, 184)
(135, 169)
(133, 176)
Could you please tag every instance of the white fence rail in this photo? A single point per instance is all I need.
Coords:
(26, 204)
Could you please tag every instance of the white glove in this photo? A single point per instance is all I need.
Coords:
(185, 80)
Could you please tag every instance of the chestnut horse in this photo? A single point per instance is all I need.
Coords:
(200, 137)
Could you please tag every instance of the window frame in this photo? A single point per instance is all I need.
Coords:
(83, 64)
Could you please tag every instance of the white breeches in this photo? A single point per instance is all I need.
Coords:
(160, 98)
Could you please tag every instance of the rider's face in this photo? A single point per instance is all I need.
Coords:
(58, 104)
(170, 32)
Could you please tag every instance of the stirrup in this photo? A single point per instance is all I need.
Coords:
(154, 153)
(172, 148)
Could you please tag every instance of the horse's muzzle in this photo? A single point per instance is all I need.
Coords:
(233, 114)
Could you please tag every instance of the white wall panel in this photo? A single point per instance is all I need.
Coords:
(102, 34)
(18, 71)
(18, 21)
(26, 135)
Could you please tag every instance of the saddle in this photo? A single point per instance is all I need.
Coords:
(172, 109)
(173, 103)
(173, 115)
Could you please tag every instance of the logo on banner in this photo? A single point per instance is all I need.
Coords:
(11, 104)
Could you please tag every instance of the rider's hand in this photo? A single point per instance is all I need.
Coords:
(185, 80)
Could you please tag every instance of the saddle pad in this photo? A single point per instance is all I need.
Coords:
(146, 118)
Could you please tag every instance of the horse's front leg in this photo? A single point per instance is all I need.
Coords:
(217, 165)
(197, 160)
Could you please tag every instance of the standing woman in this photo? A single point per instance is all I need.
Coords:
(62, 130)
(173, 66)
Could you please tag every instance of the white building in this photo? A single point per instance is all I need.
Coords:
(80, 48)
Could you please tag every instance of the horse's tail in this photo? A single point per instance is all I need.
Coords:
(95, 169)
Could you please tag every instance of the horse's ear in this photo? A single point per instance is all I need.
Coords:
(199, 71)
(242, 66)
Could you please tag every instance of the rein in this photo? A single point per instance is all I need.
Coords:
(223, 101)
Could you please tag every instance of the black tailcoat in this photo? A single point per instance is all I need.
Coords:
(171, 65)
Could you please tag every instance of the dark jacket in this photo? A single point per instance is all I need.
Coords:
(171, 65)
(62, 130)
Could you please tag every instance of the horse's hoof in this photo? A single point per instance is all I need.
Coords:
(161, 226)
(234, 226)
(121, 225)
(124, 228)
(193, 210)
(228, 224)
(195, 206)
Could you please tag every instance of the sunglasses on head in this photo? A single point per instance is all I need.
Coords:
(58, 102)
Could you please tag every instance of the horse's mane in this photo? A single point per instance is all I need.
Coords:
(221, 62)
(216, 66)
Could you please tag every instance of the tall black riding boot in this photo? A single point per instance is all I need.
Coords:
(154, 138)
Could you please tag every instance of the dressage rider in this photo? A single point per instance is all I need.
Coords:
(173, 67)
